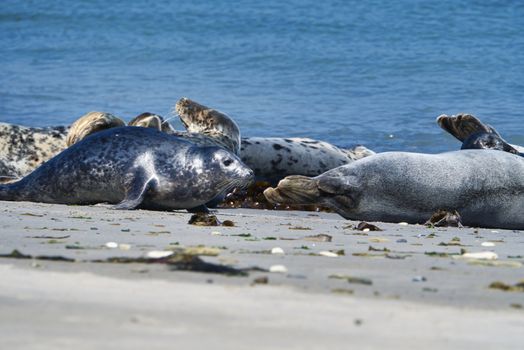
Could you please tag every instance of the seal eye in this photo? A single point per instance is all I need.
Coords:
(228, 162)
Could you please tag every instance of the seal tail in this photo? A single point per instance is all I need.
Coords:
(294, 189)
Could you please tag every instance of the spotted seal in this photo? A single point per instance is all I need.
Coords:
(133, 167)
(474, 134)
(485, 186)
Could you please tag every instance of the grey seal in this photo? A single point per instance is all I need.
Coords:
(485, 186)
(133, 167)
(474, 134)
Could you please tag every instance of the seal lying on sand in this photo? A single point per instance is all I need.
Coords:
(485, 187)
(271, 158)
(474, 134)
(136, 168)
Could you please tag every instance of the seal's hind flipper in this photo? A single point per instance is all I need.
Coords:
(136, 190)
(89, 124)
(463, 126)
(218, 126)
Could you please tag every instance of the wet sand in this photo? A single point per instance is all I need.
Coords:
(78, 278)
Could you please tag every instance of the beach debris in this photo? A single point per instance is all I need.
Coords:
(299, 228)
(478, 256)
(158, 254)
(516, 305)
(111, 245)
(328, 254)
(402, 240)
(228, 223)
(277, 250)
(202, 250)
(366, 227)
(495, 263)
(16, 254)
(260, 280)
(278, 269)
(517, 287)
(269, 238)
(216, 233)
(487, 244)
(378, 240)
(352, 279)
(403, 223)
(204, 219)
(455, 241)
(342, 291)
(419, 279)
(428, 289)
(373, 249)
(319, 238)
(49, 237)
(445, 218)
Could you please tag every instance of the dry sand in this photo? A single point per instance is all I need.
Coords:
(402, 287)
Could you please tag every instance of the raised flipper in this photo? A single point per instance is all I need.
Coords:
(150, 120)
(210, 122)
(90, 123)
(137, 187)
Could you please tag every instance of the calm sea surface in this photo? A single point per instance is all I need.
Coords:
(371, 72)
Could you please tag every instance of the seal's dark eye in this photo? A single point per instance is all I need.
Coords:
(228, 162)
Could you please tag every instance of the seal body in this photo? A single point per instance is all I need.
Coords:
(485, 186)
(273, 158)
(134, 167)
(22, 149)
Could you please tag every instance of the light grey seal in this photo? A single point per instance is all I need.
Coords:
(485, 186)
(133, 167)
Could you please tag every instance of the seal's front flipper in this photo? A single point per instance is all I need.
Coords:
(136, 189)
(463, 126)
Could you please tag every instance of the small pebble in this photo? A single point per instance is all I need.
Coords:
(158, 254)
(111, 245)
(403, 223)
(216, 233)
(487, 244)
(124, 246)
(419, 279)
(366, 230)
(328, 254)
(277, 250)
(278, 268)
(402, 240)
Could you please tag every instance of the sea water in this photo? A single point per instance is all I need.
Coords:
(374, 72)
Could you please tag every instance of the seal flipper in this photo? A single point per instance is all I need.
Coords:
(136, 189)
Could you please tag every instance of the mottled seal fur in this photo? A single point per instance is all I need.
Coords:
(22, 149)
(273, 158)
(133, 167)
(474, 134)
(485, 186)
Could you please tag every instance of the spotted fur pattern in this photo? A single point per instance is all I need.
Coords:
(22, 149)
(274, 158)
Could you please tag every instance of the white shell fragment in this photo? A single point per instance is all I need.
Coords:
(158, 254)
(278, 269)
(403, 223)
(277, 250)
(111, 245)
(328, 254)
(124, 246)
(487, 244)
(216, 233)
(480, 256)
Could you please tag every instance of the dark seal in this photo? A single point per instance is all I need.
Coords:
(133, 167)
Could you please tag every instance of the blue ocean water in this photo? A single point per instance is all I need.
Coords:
(373, 72)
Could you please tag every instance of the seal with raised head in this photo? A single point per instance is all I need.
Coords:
(133, 167)
(485, 186)
(474, 134)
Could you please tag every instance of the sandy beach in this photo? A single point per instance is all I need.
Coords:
(89, 276)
